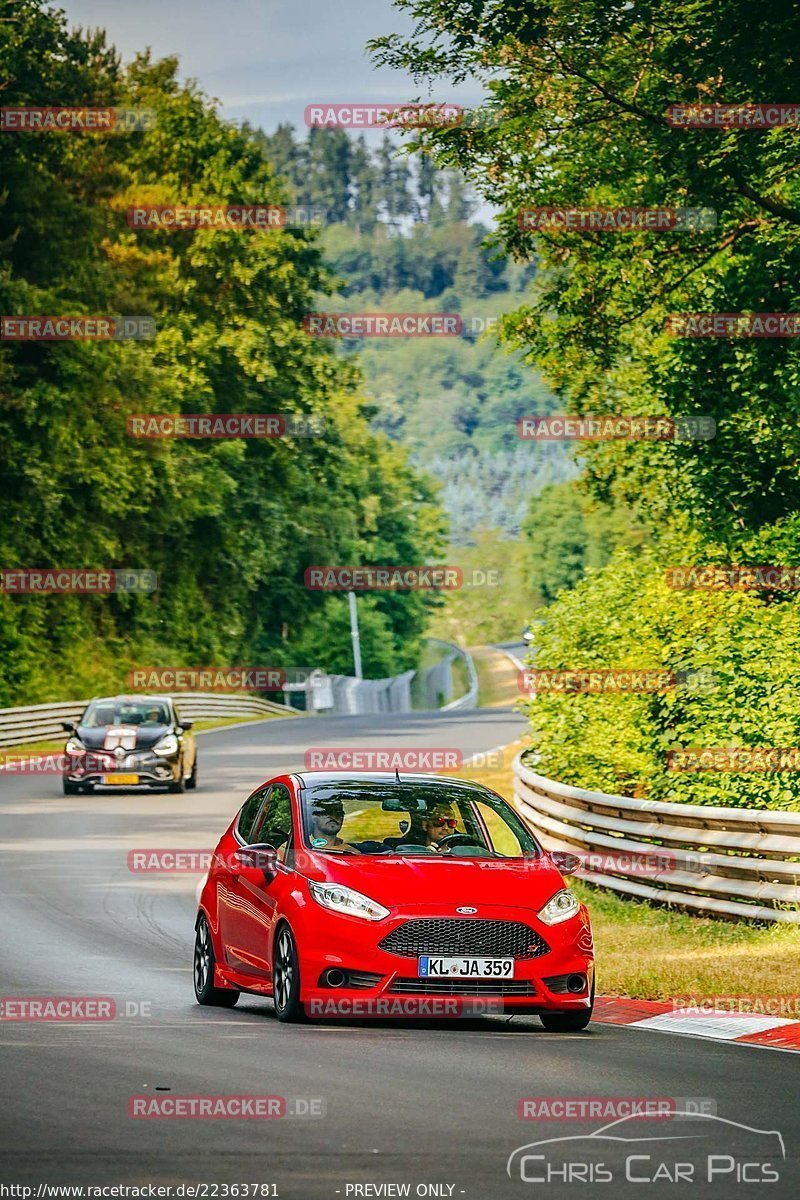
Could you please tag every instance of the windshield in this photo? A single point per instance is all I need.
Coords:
(126, 712)
(414, 818)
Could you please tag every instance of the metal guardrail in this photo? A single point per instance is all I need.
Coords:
(728, 862)
(470, 698)
(40, 722)
(429, 687)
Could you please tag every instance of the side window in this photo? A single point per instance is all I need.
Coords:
(250, 811)
(275, 823)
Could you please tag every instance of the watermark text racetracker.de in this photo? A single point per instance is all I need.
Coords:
(215, 679)
(33, 118)
(42, 581)
(733, 325)
(386, 758)
(226, 426)
(391, 578)
(224, 1107)
(734, 759)
(400, 115)
(615, 220)
(377, 324)
(608, 427)
(382, 324)
(96, 328)
(602, 681)
(71, 1008)
(258, 218)
(87, 762)
(609, 1108)
(767, 115)
(765, 577)
(423, 1007)
(712, 1005)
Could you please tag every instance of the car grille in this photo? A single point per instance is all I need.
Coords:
(463, 987)
(491, 939)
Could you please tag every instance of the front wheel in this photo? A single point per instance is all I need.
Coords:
(179, 786)
(71, 789)
(191, 782)
(286, 978)
(203, 972)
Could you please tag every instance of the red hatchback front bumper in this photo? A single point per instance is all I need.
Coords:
(351, 967)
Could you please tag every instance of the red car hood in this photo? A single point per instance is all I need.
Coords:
(403, 881)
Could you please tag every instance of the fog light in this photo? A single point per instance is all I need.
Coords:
(576, 983)
(335, 978)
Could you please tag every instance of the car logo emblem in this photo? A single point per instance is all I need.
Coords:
(466, 910)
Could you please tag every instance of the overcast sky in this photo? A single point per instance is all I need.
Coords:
(264, 59)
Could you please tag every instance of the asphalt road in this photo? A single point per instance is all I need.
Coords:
(418, 1104)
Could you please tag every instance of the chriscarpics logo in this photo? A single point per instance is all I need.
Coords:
(696, 1147)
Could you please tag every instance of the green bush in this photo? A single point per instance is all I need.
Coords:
(626, 616)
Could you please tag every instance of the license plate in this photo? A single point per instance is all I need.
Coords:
(465, 968)
(121, 780)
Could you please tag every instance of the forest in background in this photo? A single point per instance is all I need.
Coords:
(400, 235)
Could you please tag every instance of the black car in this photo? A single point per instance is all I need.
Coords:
(131, 742)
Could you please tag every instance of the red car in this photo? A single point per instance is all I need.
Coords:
(376, 894)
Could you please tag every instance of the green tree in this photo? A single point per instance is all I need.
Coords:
(566, 533)
(228, 527)
(576, 114)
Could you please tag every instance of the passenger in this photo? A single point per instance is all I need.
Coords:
(327, 818)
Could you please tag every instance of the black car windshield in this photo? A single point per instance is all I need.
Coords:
(126, 712)
(412, 818)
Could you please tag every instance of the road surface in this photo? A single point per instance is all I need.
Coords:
(406, 1104)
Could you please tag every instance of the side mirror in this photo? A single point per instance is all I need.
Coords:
(260, 857)
(68, 727)
(567, 863)
(186, 726)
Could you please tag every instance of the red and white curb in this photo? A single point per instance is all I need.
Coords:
(778, 1033)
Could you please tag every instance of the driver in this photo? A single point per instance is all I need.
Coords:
(327, 818)
(438, 823)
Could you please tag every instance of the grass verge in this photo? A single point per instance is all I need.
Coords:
(497, 677)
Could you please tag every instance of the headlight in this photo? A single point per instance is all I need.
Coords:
(345, 900)
(560, 907)
(73, 746)
(167, 745)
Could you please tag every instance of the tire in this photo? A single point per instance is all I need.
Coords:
(178, 787)
(191, 782)
(568, 1022)
(286, 978)
(71, 789)
(203, 972)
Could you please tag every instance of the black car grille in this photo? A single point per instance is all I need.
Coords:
(490, 939)
(463, 987)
